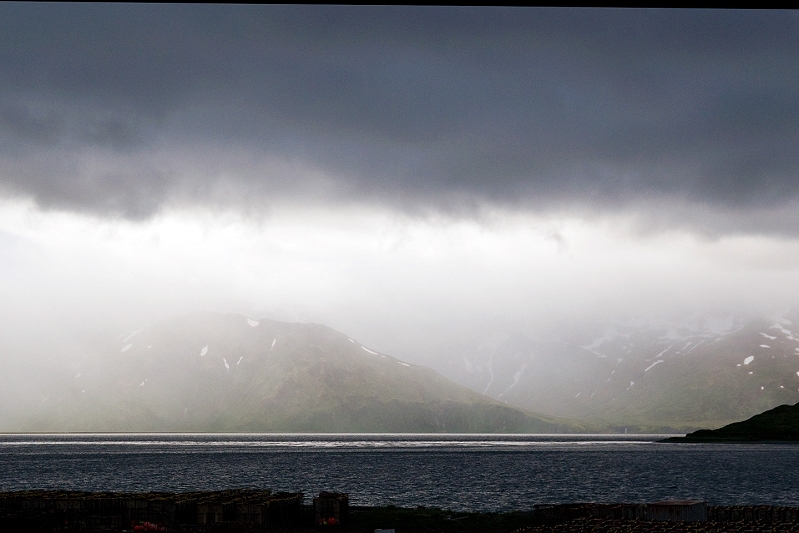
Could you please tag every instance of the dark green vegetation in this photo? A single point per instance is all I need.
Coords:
(209, 372)
(778, 424)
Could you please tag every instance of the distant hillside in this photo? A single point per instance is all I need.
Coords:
(209, 372)
(778, 424)
(650, 376)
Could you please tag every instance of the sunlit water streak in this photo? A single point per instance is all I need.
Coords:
(478, 472)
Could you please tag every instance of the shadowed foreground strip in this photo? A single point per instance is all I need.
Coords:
(261, 510)
(609, 525)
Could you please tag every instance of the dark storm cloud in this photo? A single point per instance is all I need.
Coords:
(430, 107)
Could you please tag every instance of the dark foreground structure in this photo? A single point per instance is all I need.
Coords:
(262, 510)
(234, 510)
(663, 517)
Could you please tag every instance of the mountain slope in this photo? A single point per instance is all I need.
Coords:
(778, 424)
(653, 376)
(214, 372)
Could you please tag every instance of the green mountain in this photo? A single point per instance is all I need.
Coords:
(209, 372)
(778, 424)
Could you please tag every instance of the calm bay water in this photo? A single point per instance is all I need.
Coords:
(459, 472)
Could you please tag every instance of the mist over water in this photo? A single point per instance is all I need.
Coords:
(494, 193)
(475, 472)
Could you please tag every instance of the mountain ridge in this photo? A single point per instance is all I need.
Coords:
(780, 424)
(648, 376)
(225, 373)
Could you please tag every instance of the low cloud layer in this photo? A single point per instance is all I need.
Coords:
(128, 110)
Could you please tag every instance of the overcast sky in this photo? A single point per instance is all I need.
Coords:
(397, 173)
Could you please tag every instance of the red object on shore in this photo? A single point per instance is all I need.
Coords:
(331, 508)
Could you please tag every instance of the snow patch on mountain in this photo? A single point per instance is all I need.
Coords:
(365, 349)
(780, 318)
(516, 377)
(694, 347)
(692, 327)
(490, 373)
(126, 339)
(252, 322)
(788, 333)
(204, 351)
(126, 347)
(647, 369)
(610, 334)
(664, 351)
(749, 359)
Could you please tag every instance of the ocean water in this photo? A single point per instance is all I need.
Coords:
(458, 472)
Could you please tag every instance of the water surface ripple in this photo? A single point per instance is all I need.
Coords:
(460, 472)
